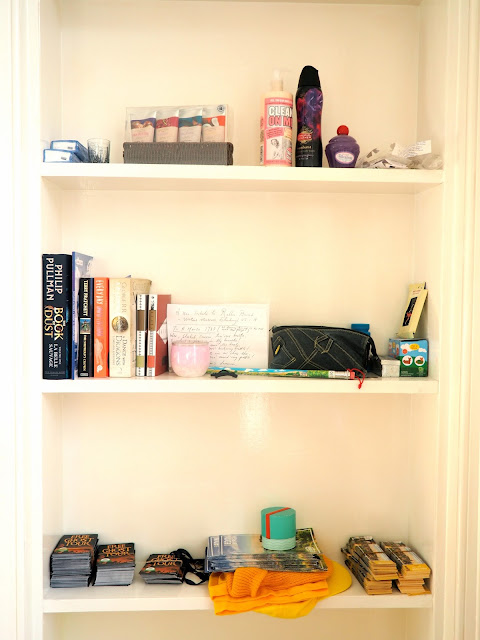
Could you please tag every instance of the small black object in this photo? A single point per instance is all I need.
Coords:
(224, 372)
(309, 77)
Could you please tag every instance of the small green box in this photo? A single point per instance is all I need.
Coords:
(413, 356)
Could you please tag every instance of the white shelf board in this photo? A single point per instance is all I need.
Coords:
(141, 597)
(170, 383)
(399, 3)
(154, 177)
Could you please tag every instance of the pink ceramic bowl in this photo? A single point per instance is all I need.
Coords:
(190, 359)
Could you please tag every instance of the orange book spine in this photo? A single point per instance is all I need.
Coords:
(101, 336)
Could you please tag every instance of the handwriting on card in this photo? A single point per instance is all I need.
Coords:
(237, 333)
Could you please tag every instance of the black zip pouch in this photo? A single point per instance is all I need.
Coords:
(323, 348)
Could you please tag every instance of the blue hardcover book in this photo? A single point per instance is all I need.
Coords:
(71, 145)
(57, 155)
(57, 321)
(81, 267)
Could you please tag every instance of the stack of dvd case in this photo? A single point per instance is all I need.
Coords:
(115, 564)
(72, 560)
(230, 552)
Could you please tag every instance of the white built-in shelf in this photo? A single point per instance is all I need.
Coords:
(154, 177)
(170, 383)
(148, 597)
(142, 597)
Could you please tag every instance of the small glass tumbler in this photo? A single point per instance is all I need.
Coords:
(190, 359)
(98, 150)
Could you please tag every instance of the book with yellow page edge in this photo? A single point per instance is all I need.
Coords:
(411, 587)
(372, 556)
(413, 570)
(372, 586)
(409, 563)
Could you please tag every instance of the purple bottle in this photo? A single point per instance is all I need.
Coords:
(342, 150)
(309, 105)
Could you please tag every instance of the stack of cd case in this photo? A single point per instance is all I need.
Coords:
(65, 151)
(72, 560)
(115, 564)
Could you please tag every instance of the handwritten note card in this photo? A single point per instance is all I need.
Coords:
(237, 333)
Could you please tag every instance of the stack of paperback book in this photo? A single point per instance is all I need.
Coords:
(412, 570)
(370, 565)
(230, 552)
(72, 560)
(163, 568)
(115, 564)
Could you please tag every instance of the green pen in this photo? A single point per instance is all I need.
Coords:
(287, 373)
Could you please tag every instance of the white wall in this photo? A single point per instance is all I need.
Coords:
(192, 53)
(8, 588)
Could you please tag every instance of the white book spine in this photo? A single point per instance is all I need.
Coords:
(151, 334)
(141, 334)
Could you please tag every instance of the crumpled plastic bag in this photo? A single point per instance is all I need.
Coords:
(397, 156)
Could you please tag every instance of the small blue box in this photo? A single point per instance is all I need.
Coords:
(57, 155)
(71, 145)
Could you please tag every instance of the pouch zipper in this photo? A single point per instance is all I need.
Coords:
(316, 326)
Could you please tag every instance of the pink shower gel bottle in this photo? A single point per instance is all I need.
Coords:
(276, 125)
(342, 150)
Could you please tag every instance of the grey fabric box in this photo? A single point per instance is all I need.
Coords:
(178, 153)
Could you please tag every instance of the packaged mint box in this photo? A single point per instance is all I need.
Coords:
(413, 356)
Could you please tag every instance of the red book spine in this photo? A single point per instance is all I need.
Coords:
(100, 315)
(161, 361)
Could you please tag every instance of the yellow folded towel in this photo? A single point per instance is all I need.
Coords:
(340, 580)
(285, 594)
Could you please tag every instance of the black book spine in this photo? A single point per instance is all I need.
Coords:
(57, 315)
(85, 333)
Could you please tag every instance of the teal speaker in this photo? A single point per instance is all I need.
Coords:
(279, 528)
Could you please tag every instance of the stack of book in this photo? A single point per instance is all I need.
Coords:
(151, 355)
(230, 552)
(115, 564)
(72, 561)
(370, 565)
(100, 326)
(412, 570)
(163, 568)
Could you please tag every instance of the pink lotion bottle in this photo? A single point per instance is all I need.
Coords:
(342, 150)
(276, 125)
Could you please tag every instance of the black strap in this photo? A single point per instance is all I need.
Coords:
(374, 363)
(193, 566)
